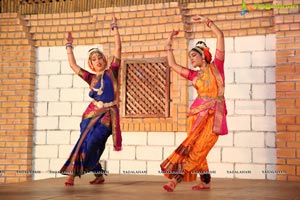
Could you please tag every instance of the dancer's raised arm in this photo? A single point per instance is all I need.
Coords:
(218, 33)
(118, 45)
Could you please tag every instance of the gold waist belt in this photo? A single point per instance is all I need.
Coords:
(101, 104)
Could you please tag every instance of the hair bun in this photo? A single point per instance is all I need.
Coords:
(201, 44)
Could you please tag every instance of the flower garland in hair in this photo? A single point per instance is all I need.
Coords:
(207, 54)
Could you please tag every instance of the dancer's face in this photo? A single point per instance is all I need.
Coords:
(196, 58)
(98, 61)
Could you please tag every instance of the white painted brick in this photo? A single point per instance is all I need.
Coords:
(47, 67)
(249, 75)
(58, 137)
(105, 154)
(40, 109)
(192, 93)
(271, 139)
(240, 91)
(229, 47)
(40, 137)
(43, 176)
(42, 53)
(81, 51)
(59, 108)
(42, 123)
(266, 91)
(229, 76)
(58, 53)
(229, 106)
(79, 82)
(225, 140)
(214, 155)
(167, 151)
(134, 138)
(161, 138)
(60, 81)
(153, 168)
(83, 64)
(127, 153)
(47, 95)
(264, 155)
(69, 123)
(41, 164)
(113, 166)
(270, 75)
(132, 166)
(179, 137)
(264, 58)
(211, 43)
(86, 97)
(221, 170)
(110, 140)
(263, 123)
(56, 164)
(250, 43)
(249, 139)
(235, 155)
(78, 108)
(42, 82)
(46, 151)
(238, 123)
(74, 136)
(254, 169)
(71, 94)
(65, 68)
(64, 151)
(271, 172)
(249, 107)
(148, 153)
(271, 42)
(237, 60)
(270, 107)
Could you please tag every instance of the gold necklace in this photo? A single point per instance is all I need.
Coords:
(201, 75)
(97, 78)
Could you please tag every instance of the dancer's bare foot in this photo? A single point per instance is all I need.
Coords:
(69, 180)
(97, 180)
(170, 186)
(201, 186)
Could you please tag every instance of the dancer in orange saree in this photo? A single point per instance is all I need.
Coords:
(101, 117)
(207, 114)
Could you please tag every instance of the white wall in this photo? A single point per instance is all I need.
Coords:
(61, 98)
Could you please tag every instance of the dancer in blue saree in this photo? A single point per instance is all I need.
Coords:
(101, 117)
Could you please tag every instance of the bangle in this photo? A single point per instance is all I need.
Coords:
(69, 45)
(113, 26)
(208, 23)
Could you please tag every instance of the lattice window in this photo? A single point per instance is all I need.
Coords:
(146, 88)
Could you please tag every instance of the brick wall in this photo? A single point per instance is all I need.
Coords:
(17, 72)
(287, 92)
(251, 56)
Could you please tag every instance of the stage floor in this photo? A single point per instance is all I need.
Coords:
(142, 187)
